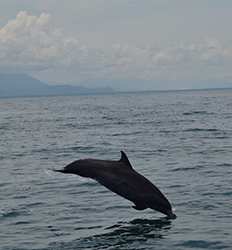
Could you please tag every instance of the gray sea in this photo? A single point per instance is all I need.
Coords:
(181, 141)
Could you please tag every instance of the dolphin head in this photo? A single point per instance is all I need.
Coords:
(171, 215)
(167, 210)
(79, 167)
(160, 203)
(71, 168)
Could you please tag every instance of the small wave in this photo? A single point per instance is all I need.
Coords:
(197, 167)
(49, 172)
(4, 184)
(129, 133)
(11, 213)
(224, 165)
(203, 244)
(209, 151)
(116, 207)
(175, 186)
(201, 130)
(108, 118)
(35, 204)
(86, 182)
(90, 227)
(71, 125)
(216, 137)
(229, 193)
(209, 207)
(127, 235)
(5, 126)
(81, 149)
(22, 223)
(198, 113)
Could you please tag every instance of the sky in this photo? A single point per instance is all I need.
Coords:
(124, 44)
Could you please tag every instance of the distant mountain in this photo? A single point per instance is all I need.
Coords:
(15, 85)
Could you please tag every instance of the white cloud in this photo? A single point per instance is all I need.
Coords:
(31, 43)
(184, 60)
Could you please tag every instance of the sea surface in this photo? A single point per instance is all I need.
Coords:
(181, 141)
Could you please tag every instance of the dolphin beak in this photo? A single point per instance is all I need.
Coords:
(171, 216)
(59, 170)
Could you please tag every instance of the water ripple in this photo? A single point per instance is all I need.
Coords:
(181, 141)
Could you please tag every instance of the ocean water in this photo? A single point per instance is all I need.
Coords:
(181, 141)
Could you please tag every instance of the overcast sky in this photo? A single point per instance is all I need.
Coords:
(127, 44)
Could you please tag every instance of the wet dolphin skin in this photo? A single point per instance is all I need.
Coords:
(122, 179)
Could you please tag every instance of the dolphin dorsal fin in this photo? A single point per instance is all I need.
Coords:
(125, 160)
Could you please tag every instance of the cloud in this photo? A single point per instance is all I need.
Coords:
(183, 61)
(32, 44)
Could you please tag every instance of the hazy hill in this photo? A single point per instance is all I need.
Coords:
(12, 85)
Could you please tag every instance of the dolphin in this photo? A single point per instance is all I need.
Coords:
(121, 178)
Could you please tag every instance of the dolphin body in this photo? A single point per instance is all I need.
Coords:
(122, 179)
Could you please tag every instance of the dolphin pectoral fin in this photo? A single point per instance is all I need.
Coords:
(139, 206)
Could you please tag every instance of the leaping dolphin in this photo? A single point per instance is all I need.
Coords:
(122, 179)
